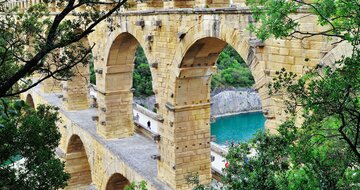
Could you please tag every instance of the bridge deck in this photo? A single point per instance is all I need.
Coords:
(135, 151)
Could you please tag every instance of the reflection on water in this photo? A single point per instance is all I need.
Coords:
(237, 128)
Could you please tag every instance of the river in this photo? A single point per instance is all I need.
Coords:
(237, 128)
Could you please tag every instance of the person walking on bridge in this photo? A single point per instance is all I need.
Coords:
(149, 124)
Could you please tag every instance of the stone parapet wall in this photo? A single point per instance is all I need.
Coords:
(147, 112)
(219, 149)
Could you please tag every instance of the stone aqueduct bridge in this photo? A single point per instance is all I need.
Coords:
(182, 44)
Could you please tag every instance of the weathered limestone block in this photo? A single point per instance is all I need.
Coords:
(115, 114)
(76, 91)
(51, 85)
(186, 145)
(178, 4)
(150, 4)
(238, 3)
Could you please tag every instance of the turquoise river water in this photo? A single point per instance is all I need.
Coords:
(237, 128)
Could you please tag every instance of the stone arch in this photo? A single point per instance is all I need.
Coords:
(189, 105)
(227, 34)
(120, 63)
(191, 111)
(116, 95)
(77, 164)
(193, 80)
(252, 55)
(117, 182)
(30, 101)
(231, 36)
(120, 55)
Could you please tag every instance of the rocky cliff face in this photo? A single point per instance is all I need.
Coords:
(235, 101)
(226, 101)
(148, 102)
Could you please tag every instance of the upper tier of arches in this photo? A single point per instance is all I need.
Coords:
(54, 6)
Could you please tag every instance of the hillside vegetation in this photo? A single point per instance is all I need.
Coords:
(232, 72)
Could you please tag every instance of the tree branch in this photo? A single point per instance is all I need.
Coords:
(51, 74)
(49, 45)
(345, 137)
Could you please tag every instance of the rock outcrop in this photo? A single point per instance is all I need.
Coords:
(147, 102)
(235, 101)
(225, 102)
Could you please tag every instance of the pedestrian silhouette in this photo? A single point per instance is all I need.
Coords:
(149, 124)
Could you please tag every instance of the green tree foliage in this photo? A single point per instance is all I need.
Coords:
(142, 80)
(340, 18)
(193, 180)
(319, 88)
(32, 135)
(322, 153)
(142, 185)
(92, 73)
(324, 94)
(232, 71)
(295, 158)
(229, 58)
(31, 40)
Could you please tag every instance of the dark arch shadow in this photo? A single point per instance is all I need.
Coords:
(117, 84)
(117, 182)
(128, 56)
(76, 163)
(196, 68)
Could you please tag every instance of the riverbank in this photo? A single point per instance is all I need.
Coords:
(236, 113)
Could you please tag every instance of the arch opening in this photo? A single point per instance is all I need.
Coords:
(29, 101)
(233, 79)
(197, 66)
(144, 97)
(92, 71)
(142, 79)
(231, 71)
(127, 72)
(120, 63)
(192, 105)
(76, 163)
(212, 70)
(117, 182)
